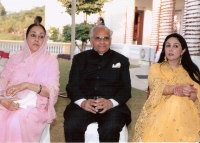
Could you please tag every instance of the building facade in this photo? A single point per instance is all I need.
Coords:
(140, 22)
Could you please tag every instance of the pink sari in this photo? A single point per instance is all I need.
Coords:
(27, 125)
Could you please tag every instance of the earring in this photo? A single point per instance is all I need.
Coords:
(180, 60)
(165, 59)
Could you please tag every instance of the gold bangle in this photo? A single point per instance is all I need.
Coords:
(168, 89)
(169, 92)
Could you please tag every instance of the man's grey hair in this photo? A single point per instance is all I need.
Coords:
(100, 26)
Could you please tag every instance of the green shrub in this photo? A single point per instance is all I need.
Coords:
(9, 36)
(82, 31)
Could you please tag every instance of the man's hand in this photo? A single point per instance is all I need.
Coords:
(89, 105)
(9, 104)
(104, 104)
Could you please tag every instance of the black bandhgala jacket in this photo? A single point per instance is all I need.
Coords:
(104, 75)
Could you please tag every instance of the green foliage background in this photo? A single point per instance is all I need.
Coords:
(86, 6)
(2, 10)
(82, 31)
(55, 35)
(13, 25)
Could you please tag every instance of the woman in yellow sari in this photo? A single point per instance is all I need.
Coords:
(171, 113)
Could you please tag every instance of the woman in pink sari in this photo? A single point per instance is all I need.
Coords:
(29, 87)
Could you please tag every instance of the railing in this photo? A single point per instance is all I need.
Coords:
(138, 52)
(12, 46)
(53, 47)
(58, 48)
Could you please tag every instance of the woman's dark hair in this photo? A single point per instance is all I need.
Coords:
(186, 60)
(102, 20)
(32, 25)
(39, 19)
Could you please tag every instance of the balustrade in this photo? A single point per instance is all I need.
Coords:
(53, 47)
(134, 51)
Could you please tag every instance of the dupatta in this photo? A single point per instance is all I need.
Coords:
(34, 68)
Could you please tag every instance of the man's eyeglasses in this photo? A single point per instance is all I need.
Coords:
(101, 38)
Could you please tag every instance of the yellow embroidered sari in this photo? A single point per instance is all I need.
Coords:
(168, 118)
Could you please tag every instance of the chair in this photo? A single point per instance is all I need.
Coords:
(92, 136)
(4, 56)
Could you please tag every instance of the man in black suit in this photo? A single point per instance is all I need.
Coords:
(98, 72)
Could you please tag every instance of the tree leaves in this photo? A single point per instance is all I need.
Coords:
(86, 6)
(54, 34)
(2, 10)
(82, 34)
(15, 24)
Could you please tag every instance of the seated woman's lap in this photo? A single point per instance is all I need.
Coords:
(175, 117)
(27, 122)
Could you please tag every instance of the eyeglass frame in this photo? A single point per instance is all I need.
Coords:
(99, 38)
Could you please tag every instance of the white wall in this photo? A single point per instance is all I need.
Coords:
(114, 16)
(115, 19)
(147, 27)
(180, 7)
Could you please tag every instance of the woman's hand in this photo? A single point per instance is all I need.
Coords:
(9, 104)
(11, 91)
(189, 89)
(184, 90)
(193, 97)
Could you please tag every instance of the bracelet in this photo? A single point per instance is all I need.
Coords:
(168, 89)
(40, 89)
(174, 90)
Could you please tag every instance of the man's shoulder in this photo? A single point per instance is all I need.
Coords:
(82, 54)
(90, 52)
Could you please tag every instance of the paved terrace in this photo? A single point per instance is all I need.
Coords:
(139, 76)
